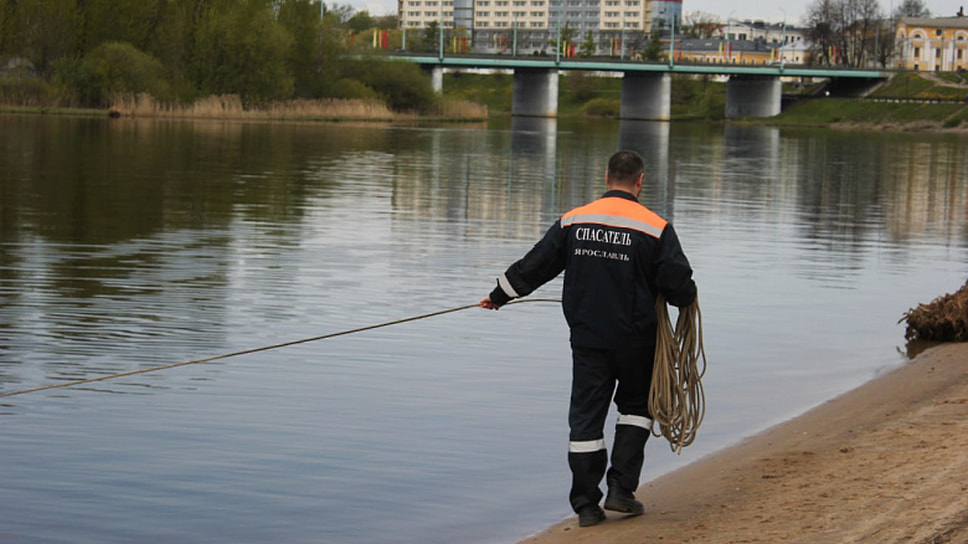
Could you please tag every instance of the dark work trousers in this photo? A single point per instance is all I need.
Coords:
(594, 376)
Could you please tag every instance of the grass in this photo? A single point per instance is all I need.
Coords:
(910, 85)
(231, 107)
(831, 111)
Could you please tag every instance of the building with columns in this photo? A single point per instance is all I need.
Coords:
(935, 44)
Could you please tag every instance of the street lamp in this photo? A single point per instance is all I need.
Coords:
(622, 32)
(440, 19)
(672, 42)
(561, 7)
(783, 40)
(514, 43)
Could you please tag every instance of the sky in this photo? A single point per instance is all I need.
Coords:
(791, 10)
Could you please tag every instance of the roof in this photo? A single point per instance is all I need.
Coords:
(698, 44)
(935, 22)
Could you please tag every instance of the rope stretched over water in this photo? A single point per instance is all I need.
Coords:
(256, 350)
(676, 399)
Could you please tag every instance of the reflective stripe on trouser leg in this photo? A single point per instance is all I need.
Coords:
(587, 460)
(591, 393)
(628, 451)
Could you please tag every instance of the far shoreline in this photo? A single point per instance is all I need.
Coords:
(405, 119)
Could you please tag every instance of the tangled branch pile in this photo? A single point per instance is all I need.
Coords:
(944, 319)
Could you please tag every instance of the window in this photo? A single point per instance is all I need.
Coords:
(917, 54)
(937, 53)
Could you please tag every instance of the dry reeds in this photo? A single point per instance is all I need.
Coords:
(232, 107)
(944, 319)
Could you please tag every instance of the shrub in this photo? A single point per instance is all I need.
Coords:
(112, 68)
(23, 90)
(602, 107)
(402, 84)
(351, 88)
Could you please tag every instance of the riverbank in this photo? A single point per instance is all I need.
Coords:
(881, 464)
(231, 108)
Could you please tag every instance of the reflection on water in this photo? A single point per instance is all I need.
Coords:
(133, 243)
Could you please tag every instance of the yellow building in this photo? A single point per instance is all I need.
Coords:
(936, 44)
(719, 51)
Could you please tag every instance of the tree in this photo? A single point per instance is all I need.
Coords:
(243, 51)
(821, 30)
(844, 32)
(117, 67)
(653, 49)
(431, 37)
(698, 24)
(911, 8)
(360, 21)
(588, 47)
(567, 36)
(317, 44)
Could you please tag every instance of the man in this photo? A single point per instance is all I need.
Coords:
(617, 255)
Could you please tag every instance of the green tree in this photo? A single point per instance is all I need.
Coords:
(116, 67)
(653, 49)
(314, 57)
(402, 85)
(243, 51)
(361, 21)
(431, 37)
(588, 46)
(44, 30)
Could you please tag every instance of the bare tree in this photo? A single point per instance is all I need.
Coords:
(821, 30)
(699, 24)
(844, 32)
(911, 8)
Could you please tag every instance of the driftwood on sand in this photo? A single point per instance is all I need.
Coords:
(944, 319)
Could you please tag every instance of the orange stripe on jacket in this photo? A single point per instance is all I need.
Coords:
(617, 212)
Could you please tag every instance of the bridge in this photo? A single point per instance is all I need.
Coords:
(751, 91)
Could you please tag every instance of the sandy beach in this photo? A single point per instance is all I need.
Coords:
(884, 463)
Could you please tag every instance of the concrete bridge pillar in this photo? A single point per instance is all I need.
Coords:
(753, 96)
(646, 96)
(535, 92)
(437, 79)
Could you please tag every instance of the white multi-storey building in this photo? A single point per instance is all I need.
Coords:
(533, 26)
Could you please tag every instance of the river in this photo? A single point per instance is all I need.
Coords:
(131, 243)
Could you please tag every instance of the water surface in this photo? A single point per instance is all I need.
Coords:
(132, 243)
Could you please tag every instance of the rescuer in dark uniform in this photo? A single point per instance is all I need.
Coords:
(617, 255)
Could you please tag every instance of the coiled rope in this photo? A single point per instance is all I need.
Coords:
(256, 350)
(676, 399)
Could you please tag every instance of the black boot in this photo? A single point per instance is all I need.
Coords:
(621, 500)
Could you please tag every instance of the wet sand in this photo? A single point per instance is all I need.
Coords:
(884, 463)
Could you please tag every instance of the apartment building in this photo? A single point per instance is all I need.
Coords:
(936, 44)
(528, 27)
